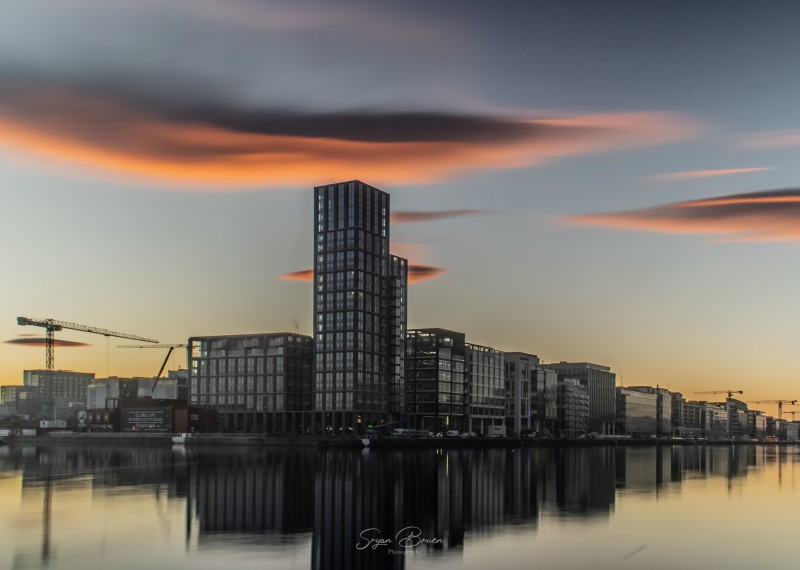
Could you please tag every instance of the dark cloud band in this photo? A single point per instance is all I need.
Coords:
(41, 341)
(411, 217)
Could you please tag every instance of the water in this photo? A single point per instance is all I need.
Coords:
(86, 508)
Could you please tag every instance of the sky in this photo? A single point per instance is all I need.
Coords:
(613, 182)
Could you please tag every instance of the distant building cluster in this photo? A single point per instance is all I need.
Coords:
(364, 370)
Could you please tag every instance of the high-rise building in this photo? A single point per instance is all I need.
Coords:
(436, 386)
(256, 382)
(601, 383)
(360, 293)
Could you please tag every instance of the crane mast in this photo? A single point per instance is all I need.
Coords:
(52, 326)
(171, 347)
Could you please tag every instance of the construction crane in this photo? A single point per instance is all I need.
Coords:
(730, 393)
(793, 412)
(51, 326)
(779, 402)
(171, 347)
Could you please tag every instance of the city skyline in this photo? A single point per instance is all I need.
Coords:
(611, 188)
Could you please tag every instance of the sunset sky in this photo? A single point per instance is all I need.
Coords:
(614, 182)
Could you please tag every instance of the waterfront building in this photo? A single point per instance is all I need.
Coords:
(756, 424)
(572, 408)
(360, 293)
(664, 411)
(637, 412)
(485, 380)
(792, 431)
(775, 429)
(435, 383)
(256, 382)
(8, 395)
(737, 418)
(600, 383)
(103, 392)
(8, 400)
(716, 425)
(688, 418)
(50, 384)
(174, 387)
(519, 392)
(692, 420)
(544, 405)
(531, 394)
(52, 394)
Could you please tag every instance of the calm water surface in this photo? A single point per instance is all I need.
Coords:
(711, 507)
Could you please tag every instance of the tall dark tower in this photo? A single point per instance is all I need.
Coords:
(360, 294)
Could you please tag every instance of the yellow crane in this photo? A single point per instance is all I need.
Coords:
(52, 326)
(730, 393)
(779, 402)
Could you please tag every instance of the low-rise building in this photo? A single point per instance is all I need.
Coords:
(572, 408)
(50, 394)
(637, 412)
(737, 419)
(256, 382)
(664, 408)
(435, 383)
(519, 392)
(756, 424)
(716, 424)
(485, 368)
(601, 383)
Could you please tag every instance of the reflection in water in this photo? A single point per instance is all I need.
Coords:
(440, 500)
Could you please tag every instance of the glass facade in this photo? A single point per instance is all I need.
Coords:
(637, 412)
(487, 394)
(360, 293)
(436, 388)
(258, 383)
(573, 408)
(600, 383)
(49, 384)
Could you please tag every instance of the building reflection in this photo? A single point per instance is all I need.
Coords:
(343, 498)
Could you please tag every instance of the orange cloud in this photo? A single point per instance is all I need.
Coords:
(214, 145)
(690, 174)
(304, 275)
(758, 216)
(411, 217)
